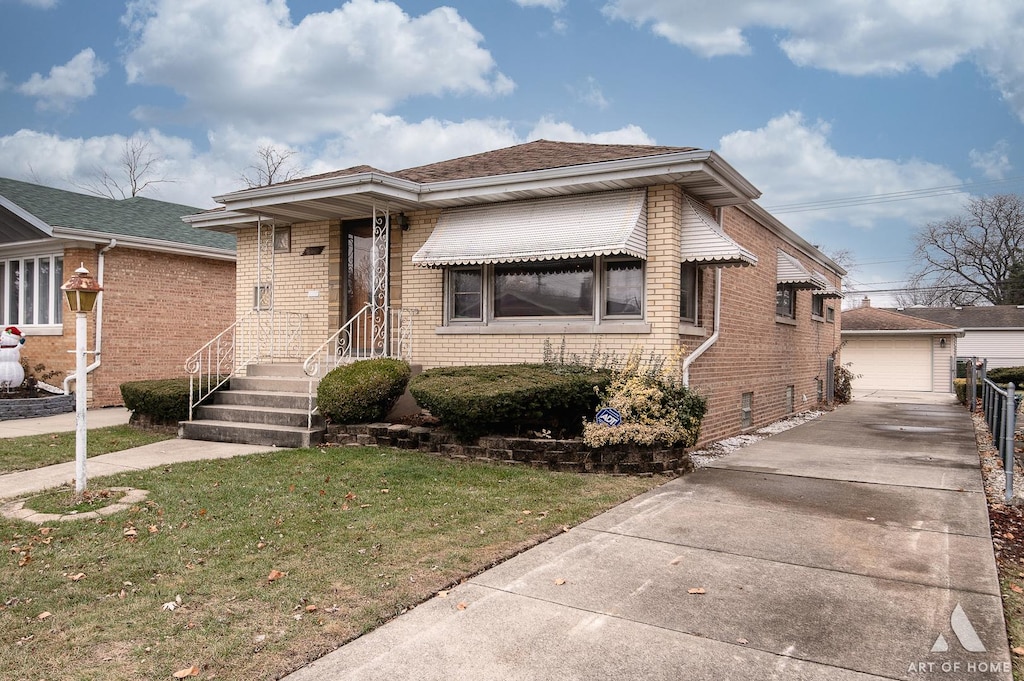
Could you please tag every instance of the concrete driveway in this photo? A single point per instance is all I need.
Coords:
(855, 546)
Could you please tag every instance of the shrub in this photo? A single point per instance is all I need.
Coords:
(960, 387)
(363, 391)
(1004, 375)
(844, 383)
(509, 399)
(160, 401)
(656, 409)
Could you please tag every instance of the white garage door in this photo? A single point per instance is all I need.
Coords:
(890, 363)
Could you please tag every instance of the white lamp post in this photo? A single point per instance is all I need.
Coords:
(81, 291)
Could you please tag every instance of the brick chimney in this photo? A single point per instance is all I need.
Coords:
(866, 302)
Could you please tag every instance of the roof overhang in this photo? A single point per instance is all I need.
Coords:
(18, 225)
(609, 223)
(701, 173)
(143, 243)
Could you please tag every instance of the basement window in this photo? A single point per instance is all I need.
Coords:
(747, 410)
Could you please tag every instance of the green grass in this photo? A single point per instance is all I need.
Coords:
(36, 451)
(360, 535)
(1011, 582)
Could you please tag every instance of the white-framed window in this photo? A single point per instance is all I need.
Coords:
(785, 301)
(30, 291)
(598, 288)
(830, 314)
(282, 239)
(688, 293)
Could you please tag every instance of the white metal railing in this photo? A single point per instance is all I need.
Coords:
(361, 337)
(259, 335)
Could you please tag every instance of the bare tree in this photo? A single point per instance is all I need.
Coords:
(272, 167)
(133, 176)
(969, 259)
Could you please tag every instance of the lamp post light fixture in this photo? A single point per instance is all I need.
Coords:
(81, 291)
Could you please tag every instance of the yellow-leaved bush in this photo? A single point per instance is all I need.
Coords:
(656, 408)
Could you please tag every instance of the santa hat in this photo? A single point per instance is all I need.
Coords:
(13, 331)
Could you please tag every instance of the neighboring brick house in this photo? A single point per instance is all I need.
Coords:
(165, 284)
(602, 247)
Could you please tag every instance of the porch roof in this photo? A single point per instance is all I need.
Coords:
(791, 272)
(828, 290)
(704, 242)
(609, 223)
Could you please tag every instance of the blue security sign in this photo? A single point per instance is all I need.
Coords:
(609, 417)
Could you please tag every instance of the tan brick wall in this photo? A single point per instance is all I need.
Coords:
(158, 308)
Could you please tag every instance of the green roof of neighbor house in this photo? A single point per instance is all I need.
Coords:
(137, 217)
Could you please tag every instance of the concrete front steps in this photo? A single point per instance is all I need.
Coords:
(267, 406)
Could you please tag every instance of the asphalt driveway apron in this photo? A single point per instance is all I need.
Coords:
(855, 546)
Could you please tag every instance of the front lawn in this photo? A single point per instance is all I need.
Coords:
(248, 568)
(36, 451)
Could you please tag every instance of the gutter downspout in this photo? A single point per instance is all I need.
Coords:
(692, 357)
(100, 260)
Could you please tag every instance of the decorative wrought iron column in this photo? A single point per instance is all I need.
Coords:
(380, 290)
(264, 292)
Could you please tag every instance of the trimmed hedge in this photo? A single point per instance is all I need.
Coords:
(510, 399)
(362, 392)
(162, 401)
(1004, 375)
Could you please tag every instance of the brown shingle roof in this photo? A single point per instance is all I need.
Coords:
(979, 317)
(538, 155)
(879, 319)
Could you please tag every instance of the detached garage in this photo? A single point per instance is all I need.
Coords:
(891, 351)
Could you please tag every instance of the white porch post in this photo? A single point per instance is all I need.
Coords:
(380, 293)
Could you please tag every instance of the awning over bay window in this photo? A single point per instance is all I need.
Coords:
(825, 289)
(706, 243)
(609, 223)
(791, 272)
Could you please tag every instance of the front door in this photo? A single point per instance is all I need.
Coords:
(357, 260)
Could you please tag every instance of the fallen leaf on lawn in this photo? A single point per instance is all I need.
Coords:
(153, 529)
(1008, 535)
(45, 530)
(350, 496)
(186, 672)
(77, 578)
(261, 545)
(297, 617)
(46, 614)
(275, 575)
(202, 512)
(170, 605)
(527, 512)
(385, 491)
(696, 591)
(364, 506)
(559, 581)
(310, 608)
(130, 532)
(462, 605)
(1019, 650)
(1016, 589)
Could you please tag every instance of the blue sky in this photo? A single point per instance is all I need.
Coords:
(831, 111)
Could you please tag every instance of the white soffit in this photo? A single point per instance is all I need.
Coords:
(790, 271)
(585, 225)
(825, 289)
(706, 243)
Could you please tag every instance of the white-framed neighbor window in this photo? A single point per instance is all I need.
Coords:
(785, 301)
(30, 291)
(602, 288)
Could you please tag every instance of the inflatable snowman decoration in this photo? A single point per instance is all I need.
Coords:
(12, 374)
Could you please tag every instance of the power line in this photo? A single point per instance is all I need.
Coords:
(890, 197)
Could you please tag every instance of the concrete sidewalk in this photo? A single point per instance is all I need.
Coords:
(14, 485)
(855, 546)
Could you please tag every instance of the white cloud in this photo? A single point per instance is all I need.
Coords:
(590, 93)
(994, 163)
(245, 61)
(792, 162)
(851, 37)
(40, 4)
(553, 5)
(564, 132)
(67, 83)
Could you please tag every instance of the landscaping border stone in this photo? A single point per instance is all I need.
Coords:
(562, 455)
(32, 407)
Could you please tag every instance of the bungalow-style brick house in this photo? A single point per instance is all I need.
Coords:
(164, 284)
(485, 258)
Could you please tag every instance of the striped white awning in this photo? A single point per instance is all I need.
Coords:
(609, 223)
(706, 243)
(825, 289)
(790, 271)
